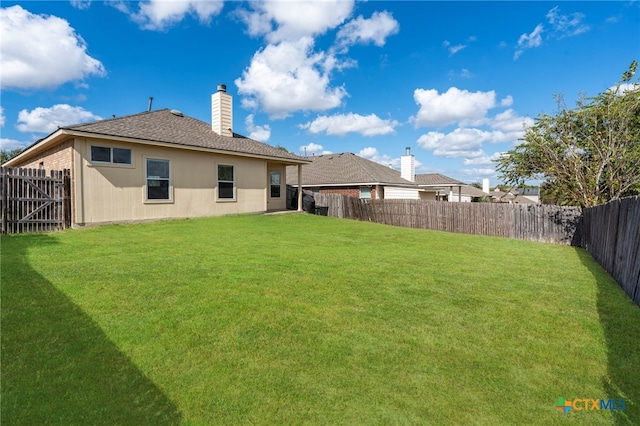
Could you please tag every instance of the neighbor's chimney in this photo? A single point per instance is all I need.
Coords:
(408, 166)
(485, 185)
(222, 112)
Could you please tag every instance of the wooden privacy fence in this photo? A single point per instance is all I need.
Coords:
(612, 236)
(31, 201)
(553, 224)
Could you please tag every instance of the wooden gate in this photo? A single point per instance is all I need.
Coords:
(31, 201)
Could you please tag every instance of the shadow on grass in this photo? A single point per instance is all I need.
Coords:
(620, 321)
(58, 366)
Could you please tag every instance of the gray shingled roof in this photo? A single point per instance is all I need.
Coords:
(436, 179)
(344, 168)
(165, 126)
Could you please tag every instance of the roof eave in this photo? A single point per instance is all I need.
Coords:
(404, 185)
(63, 132)
(38, 146)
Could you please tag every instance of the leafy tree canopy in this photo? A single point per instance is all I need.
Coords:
(587, 155)
(6, 155)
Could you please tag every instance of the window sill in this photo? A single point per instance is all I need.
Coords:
(158, 202)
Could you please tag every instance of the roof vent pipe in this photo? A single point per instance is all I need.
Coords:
(408, 151)
(150, 102)
(222, 87)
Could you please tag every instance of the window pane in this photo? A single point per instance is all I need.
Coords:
(225, 173)
(225, 190)
(101, 153)
(275, 178)
(275, 191)
(121, 156)
(365, 192)
(157, 189)
(157, 169)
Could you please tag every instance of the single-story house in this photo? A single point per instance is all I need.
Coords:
(511, 196)
(441, 187)
(164, 164)
(349, 174)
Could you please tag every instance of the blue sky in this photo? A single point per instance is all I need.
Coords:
(455, 81)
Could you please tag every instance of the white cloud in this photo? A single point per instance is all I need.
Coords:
(2, 117)
(451, 106)
(291, 20)
(41, 51)
(566, 25)
(289, 77)
(11, 144)
(373, 30)
(161, 14)
(468, 142)
(509, 122)
(81, 4)
(341, 124)
(259, 133)
(453, 49)
(624, 87)
(528, 41)
(483, 160)
(480, 172)
(371, 153)
(507, 101)
(311, 148)
(47, 120)
(458, 143)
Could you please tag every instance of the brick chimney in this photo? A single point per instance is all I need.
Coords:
(408, 166)
(222, 112)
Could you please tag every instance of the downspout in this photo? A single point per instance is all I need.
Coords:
(299, 187)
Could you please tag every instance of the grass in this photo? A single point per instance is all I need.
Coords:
(291, 319)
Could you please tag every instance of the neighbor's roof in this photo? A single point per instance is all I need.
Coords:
(436, 179)
(345, 169)
(163, 126)
(471, 191)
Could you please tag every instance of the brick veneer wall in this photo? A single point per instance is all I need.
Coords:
(57, 158)
(350, 191)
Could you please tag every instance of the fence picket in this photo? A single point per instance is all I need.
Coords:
(31, 201)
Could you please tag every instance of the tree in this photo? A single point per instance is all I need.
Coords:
(587, 155)
(6, 155)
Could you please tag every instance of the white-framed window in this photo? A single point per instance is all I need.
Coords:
(365, 192)
(158, 179)
(110, 155)
(275, 181)
(226, 182)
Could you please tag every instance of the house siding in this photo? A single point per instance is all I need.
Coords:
(350, 191)
(396, 193)
(108, 193)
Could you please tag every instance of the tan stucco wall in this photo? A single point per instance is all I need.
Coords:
(107, 193)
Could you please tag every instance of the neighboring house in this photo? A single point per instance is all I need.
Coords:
(348, 174)
(512, 197)
(163, 164)
(443, 188)
(532, 194)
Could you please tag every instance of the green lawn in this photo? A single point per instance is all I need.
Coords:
(291, 319)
